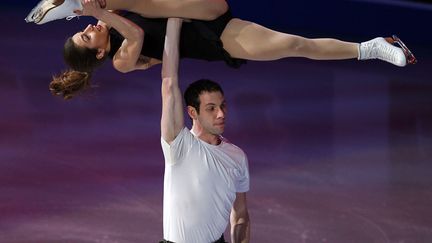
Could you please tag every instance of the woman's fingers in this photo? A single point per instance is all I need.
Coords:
(90, 7)
(102, 3)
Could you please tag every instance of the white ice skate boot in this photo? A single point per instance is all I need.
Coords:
(383, 49)
(49, 10)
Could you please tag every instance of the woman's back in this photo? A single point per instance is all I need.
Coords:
(199, 39)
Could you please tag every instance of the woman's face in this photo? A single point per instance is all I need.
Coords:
(92, 37)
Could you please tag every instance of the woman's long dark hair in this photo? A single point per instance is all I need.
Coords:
(82, 62)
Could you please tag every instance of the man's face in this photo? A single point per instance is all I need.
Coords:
(212, 112)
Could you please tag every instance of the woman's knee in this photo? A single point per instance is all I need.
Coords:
(300, 46)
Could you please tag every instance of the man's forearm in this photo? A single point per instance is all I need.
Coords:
(240, 232)
(171, 50)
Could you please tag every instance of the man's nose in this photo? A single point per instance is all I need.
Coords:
(221, 113)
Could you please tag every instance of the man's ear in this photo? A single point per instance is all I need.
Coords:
(100, 53)
(192, 112)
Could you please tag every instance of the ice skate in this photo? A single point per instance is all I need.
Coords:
(49, 10)
(383, 49)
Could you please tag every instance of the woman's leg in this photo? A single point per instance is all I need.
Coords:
(188, 9)
(49, 10)
(247, 40)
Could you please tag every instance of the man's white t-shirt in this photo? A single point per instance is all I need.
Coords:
(200, 185)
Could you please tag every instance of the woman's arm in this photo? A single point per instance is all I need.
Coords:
(146, 62)
(125, 59)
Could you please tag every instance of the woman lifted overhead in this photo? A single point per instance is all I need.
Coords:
(135, 42)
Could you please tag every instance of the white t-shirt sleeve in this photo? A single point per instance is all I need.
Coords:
(178, 148)
(242, 184)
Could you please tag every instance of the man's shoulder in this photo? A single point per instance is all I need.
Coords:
(232, 147)
(184, 134)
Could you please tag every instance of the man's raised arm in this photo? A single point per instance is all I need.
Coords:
(172, 120)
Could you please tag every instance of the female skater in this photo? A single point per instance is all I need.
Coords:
(134, 42)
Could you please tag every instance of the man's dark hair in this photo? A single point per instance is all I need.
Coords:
(198, 87)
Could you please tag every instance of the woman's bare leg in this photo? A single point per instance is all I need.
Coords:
(188, 9)
(247, 40)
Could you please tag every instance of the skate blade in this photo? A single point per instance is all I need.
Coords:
(37, 14)
(409, 55)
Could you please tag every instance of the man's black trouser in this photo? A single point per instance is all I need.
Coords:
(221, 240)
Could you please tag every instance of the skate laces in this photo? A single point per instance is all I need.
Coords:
(385, 51)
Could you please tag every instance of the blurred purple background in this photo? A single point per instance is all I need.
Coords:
(339, 151)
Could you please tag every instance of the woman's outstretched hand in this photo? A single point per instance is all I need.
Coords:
(91, 8)
(102, 3)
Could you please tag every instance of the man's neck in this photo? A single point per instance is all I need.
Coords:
(205, 136)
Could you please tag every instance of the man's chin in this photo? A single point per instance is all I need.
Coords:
(219, 131)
